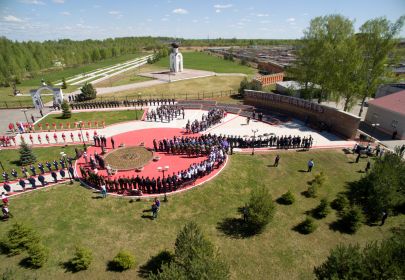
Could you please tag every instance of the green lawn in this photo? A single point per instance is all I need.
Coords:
(204, 61)
(10, 158)
(207, 87)
(66, 216)
(109, 117)
(54, 75)
(128, 77)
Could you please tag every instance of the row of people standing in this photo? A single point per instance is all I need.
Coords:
(213, 117)
(165, 113)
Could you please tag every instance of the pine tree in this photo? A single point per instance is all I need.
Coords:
(64, 85)
(26, 155)
(66, 112)
(88, 92)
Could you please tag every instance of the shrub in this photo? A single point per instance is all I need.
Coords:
(319, 179)
(64, 85)
(322, 210)
(82, 259)
(37, 255)
(307, 226)
(26, 155)
(66, 112)
(377, 260)
(311, 191)
(88, 92)
(123, 261)
(341, 203)
(261, 209)
(352, 219)
(287, 198)
(19, 238)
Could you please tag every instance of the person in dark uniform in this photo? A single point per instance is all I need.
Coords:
(54, 176)
(276, 160)
(32, 182)
(22, 183)
(41, 179)
(49, 166)
(32, 168)
(384, 217)
(7, 187)
(5, 176)
(62, 163)
(368, 166)
(71, 171)
(112, 143)
(62, 173)
(14, 173)
(55, 164)
(41, 168)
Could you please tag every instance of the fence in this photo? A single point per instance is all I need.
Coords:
(177, 96)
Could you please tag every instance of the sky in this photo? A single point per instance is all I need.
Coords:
(40, 20)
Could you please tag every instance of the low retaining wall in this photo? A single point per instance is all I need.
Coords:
(320, 116)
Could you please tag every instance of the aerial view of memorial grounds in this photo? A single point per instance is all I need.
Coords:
(202, 140)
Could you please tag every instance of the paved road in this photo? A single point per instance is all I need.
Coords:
(16, 115)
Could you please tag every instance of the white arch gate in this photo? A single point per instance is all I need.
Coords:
(37, 100)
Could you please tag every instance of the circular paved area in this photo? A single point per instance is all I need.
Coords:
(128, 158)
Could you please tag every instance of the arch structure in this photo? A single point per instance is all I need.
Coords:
(37, 99)
(176, 59)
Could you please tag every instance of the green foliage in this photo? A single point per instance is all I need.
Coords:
(311, 191)
(88, 92)
(122, 261)
(37, 255)
(344, 262)
(64, 85)
(307, 226)
(287, 198)
(340, 203)
(261, 208)
(351, 220)
(194, 258)
(246, 84)
(322, 210)
(26, 155)
(381, 189)
(315, 184)
(19, 239)
(66, 112)
(82, 259)
(384, 260)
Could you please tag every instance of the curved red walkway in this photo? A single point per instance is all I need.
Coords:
(176, 163)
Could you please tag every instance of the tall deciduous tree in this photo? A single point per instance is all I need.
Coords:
(377, 40)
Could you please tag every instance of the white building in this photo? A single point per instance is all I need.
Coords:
(176, 59)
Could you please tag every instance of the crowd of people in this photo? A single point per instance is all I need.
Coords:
(215, 153)
(281, 142)
(115, 103)
(213, 117)
(165, 113)
(192, 146)
(36, 175)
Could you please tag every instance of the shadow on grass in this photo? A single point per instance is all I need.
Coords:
(68, 267)
(236, 228)
(282, 201)
(96, 197)
(340, 227)
(26, 264)
(150, 217)
(155, 263)
(302, 171)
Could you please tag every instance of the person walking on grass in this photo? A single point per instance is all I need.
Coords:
(103, 191)
(310, 165)
(155, 210)
(276, 160)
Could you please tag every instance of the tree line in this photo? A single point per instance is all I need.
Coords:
(23, 60)
(336, 63)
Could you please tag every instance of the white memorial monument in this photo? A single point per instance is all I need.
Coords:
(37, 99)
(176, 59)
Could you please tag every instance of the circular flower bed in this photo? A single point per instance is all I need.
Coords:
(128, 158)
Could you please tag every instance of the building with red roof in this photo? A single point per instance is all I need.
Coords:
(388, 114)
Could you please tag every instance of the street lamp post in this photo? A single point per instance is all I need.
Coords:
(374, 125)
(81, 132)
(25, 113)
(63, 155)
(254, 138)
(163, 169)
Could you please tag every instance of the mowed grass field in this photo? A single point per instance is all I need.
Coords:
(67, 216)
(191, 89)
(204, 61)
(109, 117)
